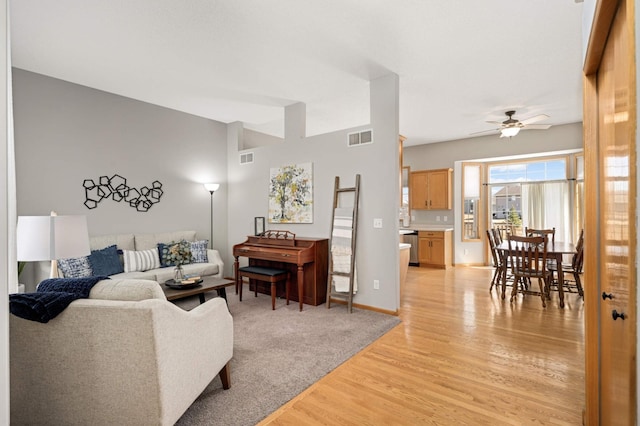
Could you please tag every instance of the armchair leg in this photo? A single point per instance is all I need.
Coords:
(225, 376)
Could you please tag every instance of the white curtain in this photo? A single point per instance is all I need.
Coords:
(545, 205)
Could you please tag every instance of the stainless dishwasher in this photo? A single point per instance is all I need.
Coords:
(411, 237)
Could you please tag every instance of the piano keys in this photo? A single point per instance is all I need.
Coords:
(306, 259)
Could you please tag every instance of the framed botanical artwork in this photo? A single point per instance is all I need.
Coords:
(291, 194)
(259, 225)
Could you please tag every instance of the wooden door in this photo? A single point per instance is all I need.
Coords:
(424, 250)
(438, 190)
(418, 189)
(437, 251)
(611, 238)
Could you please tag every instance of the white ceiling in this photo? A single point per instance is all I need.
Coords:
(460, 62)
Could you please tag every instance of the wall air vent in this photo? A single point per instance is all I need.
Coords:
(246, 158)
(360, 138)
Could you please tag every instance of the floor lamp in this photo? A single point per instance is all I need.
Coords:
(52, 238)
(211, 187)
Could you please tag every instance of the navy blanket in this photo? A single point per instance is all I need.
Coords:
(51, 298)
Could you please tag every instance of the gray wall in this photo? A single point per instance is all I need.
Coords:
(377, 163)
(450, 154)
(66, 133)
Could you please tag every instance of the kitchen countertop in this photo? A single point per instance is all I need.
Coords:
(427, 227)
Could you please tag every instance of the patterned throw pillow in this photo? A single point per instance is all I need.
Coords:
(142, 260)
(173, 253)
(77, 267)
(105, 261)
(199, 251)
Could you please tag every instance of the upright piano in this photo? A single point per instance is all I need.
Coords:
(306, 259)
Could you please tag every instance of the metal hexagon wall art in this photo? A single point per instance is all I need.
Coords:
(116, 188)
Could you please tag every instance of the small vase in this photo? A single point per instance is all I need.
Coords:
(178, 274)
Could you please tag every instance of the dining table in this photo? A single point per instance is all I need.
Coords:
(555, 250)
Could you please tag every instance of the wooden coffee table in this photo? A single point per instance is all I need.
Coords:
(208, 284)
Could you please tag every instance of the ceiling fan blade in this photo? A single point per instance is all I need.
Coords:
(534, 119)
(537, 126)
(484, 131)
(494, 122)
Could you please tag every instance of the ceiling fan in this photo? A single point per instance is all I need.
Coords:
(511, 126)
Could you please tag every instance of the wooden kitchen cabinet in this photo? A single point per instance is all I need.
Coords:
(434, 249)
(431, 189)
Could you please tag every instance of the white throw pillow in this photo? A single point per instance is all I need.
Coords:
(142, 260)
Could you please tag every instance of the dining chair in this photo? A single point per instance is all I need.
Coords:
(503, 232)
(497, 236)
(573, 269)
(528, 256)
(496, 260)
(500, 262)
(549, 233)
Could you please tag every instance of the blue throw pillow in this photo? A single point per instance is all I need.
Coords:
(105, 261)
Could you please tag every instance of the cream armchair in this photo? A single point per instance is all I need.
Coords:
(123, 356)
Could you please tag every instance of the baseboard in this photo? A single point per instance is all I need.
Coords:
(366, 307)
(355, 305)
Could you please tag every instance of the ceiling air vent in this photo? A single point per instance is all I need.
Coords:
(246, 158)
(360, 138)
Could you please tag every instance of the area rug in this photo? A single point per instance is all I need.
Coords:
(278, 354)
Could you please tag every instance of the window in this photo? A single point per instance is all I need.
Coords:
(537, 171)
(532, 194)
(471, 184)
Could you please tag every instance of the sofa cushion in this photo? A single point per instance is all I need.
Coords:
(142, 260)
(105, 261)
(199, 251)
(138, 275)
(123, 241)
(76, 267)
(127, 289)
(149, 241)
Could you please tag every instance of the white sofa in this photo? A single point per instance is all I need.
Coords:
(123, 356)
(145, 241)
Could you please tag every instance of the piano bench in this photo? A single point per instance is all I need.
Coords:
(260, 273)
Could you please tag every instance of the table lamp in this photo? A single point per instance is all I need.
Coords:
(52, 238)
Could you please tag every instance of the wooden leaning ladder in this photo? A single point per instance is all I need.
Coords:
(331, 292)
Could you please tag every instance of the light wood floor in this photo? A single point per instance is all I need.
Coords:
(460, 356)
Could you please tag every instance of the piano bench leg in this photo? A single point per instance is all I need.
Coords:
(273, 295)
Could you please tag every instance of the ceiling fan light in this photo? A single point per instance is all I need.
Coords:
(509, 132)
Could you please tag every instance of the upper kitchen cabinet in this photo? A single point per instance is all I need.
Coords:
(431, 189)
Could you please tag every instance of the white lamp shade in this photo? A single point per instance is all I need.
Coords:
(52, 237)
(212, 187)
